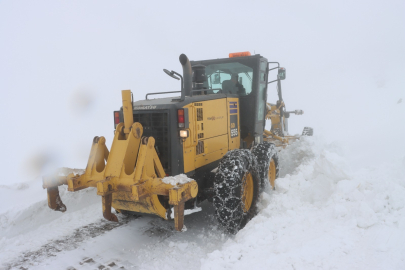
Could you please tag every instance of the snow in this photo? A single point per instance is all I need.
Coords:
(175, 180)
(324, 214)
(187, 211)
(339, 203)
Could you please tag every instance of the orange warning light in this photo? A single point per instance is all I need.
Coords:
(239, 54)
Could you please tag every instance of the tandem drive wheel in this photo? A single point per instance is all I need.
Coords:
(267, 163)
(236, 187)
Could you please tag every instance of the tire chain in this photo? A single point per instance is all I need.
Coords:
(227, 199)
(263, 153)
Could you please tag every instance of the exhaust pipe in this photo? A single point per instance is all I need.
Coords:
(187, 76)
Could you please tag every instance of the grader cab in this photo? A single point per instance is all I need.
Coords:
(211, 138)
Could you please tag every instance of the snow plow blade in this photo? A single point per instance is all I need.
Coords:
(128, 178)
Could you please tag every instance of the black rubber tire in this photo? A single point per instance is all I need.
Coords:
(264, 153)
(228, 189)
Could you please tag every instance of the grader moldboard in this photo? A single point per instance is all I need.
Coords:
(214, 133)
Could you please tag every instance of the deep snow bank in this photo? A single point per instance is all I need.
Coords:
(26, 222)
(326, 213)
(323, 215)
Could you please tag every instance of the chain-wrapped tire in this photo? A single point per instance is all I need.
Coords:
(236, 189)
(267, 163)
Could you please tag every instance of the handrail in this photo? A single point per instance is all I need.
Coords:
(159, 93)
(201, 90)
(268, 69)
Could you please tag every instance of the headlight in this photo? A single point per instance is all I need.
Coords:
(183, 133)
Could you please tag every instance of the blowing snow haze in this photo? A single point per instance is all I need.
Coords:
(340, 199)
(344, 59)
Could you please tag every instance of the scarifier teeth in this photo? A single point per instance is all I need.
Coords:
(111, 217)
(60, 206)
(54, 200)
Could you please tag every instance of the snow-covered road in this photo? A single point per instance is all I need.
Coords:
(326, 213)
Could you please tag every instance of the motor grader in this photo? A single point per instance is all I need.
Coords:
(212, 134)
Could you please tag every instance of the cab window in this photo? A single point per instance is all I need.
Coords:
(234, 78)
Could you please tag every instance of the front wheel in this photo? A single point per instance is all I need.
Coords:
(236, 188)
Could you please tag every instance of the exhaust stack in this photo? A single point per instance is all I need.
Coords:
(187, 75)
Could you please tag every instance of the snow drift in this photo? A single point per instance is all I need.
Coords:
(323, 215)
(326, 213)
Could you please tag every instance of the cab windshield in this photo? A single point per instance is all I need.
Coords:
(233, 78)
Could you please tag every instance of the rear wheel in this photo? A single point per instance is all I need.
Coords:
(236, 188)
(267, 163)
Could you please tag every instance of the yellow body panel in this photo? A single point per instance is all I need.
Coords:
(189, 156)
(208, 158)
(214, 121)
(214, 144)
(213, 130)
(215, 148)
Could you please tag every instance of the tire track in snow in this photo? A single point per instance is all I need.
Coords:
(51, 249)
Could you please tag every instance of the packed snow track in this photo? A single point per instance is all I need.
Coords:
(326, 213)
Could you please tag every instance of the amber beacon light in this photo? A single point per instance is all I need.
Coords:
(239, 54)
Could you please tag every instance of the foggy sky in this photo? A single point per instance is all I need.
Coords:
(64, 63)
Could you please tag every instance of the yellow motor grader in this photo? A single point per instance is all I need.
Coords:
(207, 143)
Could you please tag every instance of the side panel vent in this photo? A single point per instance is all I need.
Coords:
(200, 114)
(200, 135)
(199, 148)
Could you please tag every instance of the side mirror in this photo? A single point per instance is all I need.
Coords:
(171, 74)
(299, 112)
(281, 73)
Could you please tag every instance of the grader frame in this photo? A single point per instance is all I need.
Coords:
(127, 178)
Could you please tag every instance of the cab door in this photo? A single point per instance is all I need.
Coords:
(261, 98)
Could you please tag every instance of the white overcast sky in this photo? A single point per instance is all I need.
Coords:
(63, 64)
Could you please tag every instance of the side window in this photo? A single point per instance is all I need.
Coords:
(262, 95)
(263, 68)
(262, 103)
(246, 80)
(263, 65)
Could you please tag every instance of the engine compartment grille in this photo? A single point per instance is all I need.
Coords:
(199, 149)
(156, 124)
